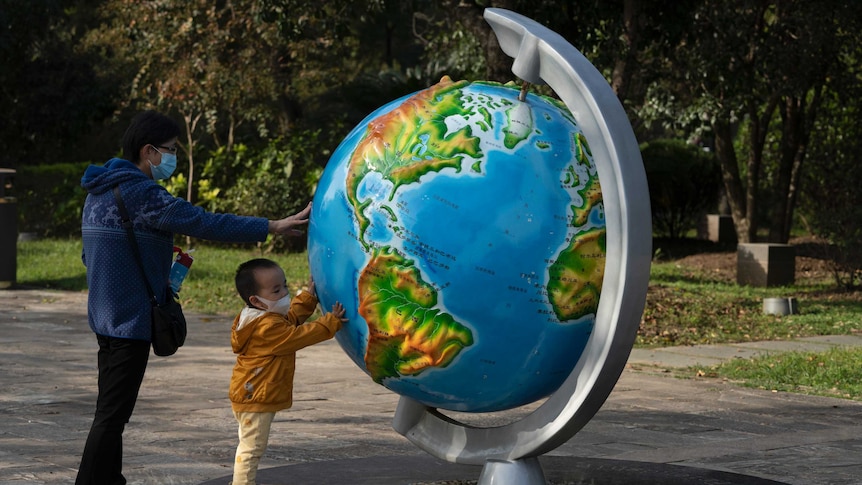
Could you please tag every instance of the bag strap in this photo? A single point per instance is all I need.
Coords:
(130, 232)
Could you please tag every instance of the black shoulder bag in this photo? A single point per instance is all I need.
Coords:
(168, 321)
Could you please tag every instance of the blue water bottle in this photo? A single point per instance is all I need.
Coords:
(180, 268)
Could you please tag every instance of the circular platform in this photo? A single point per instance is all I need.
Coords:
(425, 470)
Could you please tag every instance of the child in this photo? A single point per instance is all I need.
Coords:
(265, 337)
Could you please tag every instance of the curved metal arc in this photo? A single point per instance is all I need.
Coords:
(542, 56)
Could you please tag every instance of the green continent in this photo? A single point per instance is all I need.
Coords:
(591, 192)
(575, 278)
(411, 141)
(406, 335)
(519, 125)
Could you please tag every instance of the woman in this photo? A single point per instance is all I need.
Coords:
(118, 303)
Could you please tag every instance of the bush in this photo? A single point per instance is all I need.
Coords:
(684, 183)
(50, 199)
(274, 181)
(832, 208)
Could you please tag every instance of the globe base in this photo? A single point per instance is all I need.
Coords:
(525, 471)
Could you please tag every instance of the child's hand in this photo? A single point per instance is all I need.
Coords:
(311, 288)
(338, 311)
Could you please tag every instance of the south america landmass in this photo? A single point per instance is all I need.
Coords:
(407, 335)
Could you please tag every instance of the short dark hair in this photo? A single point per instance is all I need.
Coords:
(246, 284)
(147, 128)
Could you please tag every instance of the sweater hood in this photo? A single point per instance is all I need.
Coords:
(101, 178)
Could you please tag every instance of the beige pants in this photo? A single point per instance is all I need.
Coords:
(253, 437)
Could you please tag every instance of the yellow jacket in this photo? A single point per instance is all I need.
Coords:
(266, 345)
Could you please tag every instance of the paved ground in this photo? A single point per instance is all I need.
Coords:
(652, 429)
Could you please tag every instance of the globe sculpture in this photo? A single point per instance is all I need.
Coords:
(491, 248)
(463, 230)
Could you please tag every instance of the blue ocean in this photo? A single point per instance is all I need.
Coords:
(484, 237)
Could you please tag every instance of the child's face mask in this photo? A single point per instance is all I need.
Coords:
(281, 306)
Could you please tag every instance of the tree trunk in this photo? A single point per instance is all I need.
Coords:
(793, 190)
(730, 176)
(758, 127)
(631, 34)
(191, 127)
(798, 123)
(792, 116)
(230, 131)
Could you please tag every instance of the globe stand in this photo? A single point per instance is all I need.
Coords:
(525, 471)
(509, 453)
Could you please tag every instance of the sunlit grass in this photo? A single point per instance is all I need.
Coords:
(208, 288)
(834, 373)
(688, 308)
(54, 263)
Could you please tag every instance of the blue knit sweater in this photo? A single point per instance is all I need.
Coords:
(118, 303)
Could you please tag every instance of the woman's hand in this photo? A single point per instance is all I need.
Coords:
(289, 226)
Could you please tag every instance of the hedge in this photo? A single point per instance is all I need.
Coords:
(50, 199)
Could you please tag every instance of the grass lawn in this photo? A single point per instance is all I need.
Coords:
(208, 288)
(690, 300)
(834, 373)
(686, 308)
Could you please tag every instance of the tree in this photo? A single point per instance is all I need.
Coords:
(51, 93)
(832, 199)
(757, 68)
(215, 64)
(683, 181)
(628, 41)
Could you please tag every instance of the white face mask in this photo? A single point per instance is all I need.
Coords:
(281, 306)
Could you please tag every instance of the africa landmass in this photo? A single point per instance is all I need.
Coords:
(576, 275)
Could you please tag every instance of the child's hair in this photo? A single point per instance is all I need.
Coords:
(246, 284)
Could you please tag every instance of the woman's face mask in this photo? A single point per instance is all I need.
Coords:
(165, 168)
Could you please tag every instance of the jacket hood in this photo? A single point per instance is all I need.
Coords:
(98, 179)
(243, 328)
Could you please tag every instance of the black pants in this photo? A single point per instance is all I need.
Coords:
(122, 363)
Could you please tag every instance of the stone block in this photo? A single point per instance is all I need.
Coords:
(765, 264)
(717, 228)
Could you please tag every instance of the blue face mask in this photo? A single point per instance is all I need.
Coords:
(166, 168)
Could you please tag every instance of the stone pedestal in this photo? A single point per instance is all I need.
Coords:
(765, 264)
(717, 228)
